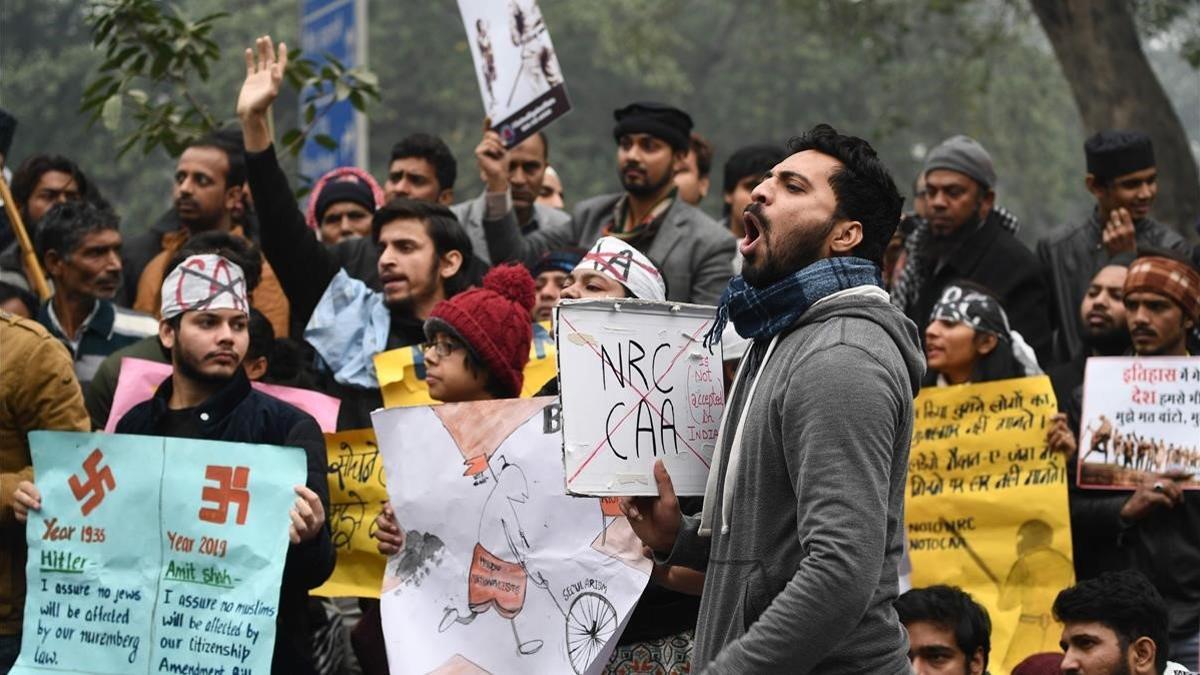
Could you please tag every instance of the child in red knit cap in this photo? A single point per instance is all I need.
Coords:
(478, 346)
(479, 340)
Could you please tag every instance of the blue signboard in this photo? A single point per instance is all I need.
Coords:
(336, 28)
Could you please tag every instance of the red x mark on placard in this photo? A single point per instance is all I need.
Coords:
(642, 397)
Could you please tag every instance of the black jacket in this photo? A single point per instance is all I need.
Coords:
(240, 414)
(1071, 255)
(994, 258)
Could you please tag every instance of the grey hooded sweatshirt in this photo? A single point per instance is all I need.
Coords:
(805, 544)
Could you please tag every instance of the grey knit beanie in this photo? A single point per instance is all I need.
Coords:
(964, 155)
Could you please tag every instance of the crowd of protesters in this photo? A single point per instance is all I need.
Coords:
(791, 561)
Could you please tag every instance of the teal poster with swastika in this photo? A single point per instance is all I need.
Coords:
(155, 554)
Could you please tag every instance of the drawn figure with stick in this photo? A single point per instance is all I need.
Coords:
(483, 42)
(528, 33)
(499, 574)
(1102, 437)
(1040, 570)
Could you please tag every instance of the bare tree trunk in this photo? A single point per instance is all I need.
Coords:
(1097, 46)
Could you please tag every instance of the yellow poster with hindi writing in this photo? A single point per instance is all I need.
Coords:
(357, 492)
(401, 372)
(986, 508)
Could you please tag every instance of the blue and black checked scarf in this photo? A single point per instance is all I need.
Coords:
(764, 312)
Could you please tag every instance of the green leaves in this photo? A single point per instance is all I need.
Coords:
(154, 54)
(111, 112)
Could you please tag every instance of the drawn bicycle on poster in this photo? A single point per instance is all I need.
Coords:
(500, 573)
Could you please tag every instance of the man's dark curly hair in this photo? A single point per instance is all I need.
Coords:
(952, 609)
(863, 186)
(1125, 602)
(434, 150)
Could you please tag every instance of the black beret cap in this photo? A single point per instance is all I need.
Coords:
(657, 119)
(1112, 153)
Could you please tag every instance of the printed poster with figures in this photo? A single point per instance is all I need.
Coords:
(1141, 416)
(357, 492)
(519, 78)
(401, 372)
(986, 508)
(500, 571)
(637, 385)
(155, 554)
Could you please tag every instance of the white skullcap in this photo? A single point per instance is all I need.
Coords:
(627, 266)
(204, 282)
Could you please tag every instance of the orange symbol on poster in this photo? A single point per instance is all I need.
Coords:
(231, 489)
(98, 482)
(611, 507)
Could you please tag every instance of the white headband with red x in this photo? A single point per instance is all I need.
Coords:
(627, 266)
(204, 282)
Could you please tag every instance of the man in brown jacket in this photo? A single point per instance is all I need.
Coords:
(38, 390)
(209, 186)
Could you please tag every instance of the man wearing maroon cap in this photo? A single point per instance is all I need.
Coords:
(1162, 304)
(1158, 526)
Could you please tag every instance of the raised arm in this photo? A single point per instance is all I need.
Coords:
(505, 241)
(302, 264)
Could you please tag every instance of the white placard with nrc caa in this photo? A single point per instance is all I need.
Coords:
(637, 385)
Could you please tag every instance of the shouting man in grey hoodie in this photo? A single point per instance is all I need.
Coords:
(800, 534)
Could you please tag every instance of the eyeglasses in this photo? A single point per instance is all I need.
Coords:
(442, 348)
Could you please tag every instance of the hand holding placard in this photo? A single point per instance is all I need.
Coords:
(655, 520)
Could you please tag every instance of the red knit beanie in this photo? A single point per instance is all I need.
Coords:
(495, 323)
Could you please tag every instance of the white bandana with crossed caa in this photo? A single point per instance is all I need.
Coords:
(204, 282)
(980, 311)
(627, 266)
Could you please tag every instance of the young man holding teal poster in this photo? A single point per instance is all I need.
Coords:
(204, 325)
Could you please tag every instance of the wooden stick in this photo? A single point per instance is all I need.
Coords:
(33, 269)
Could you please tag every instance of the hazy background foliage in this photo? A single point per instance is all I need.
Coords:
(902, 74)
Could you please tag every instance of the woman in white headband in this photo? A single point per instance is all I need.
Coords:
(614, 269)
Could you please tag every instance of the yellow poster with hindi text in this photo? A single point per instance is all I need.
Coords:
(357, 492)
(986, 508)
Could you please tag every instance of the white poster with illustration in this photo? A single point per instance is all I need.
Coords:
(1141, 415)
(515, 63)
(500, 571)
(638, 385)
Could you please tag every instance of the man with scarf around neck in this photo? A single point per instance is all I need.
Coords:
(1123, 179)
(800, 535)
(965, 236)
(694, 253)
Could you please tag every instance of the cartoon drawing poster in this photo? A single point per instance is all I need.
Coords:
(986, 508)
(516, 65)
(500, 572)
(155, 554)
(1141, 415)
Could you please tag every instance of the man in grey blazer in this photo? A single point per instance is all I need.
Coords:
(693, 252)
